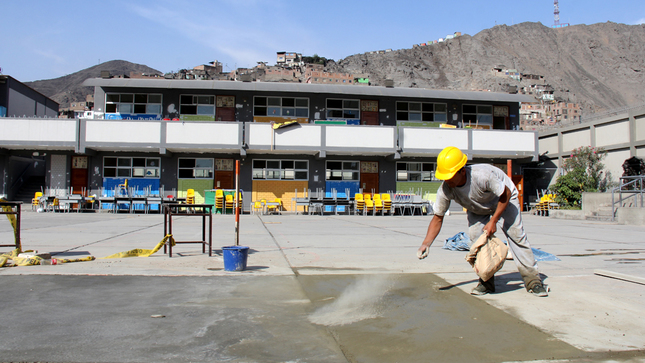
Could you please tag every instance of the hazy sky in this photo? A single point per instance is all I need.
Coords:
(44, 39)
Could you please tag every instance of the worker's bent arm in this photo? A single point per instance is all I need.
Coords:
(433, 230)
(491, 227)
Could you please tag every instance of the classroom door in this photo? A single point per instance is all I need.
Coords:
(369, 112)
(224, 180)
(369, 177)
(79, 176)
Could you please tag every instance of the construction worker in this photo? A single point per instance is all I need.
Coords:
(489, 196)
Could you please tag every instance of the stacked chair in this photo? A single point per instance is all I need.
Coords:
(35, 202)
(369, 204)
(359, 203)
(387, 203)
(378, 204)
(219, 201)
(190, 196)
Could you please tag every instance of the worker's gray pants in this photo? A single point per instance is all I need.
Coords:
(511, 225)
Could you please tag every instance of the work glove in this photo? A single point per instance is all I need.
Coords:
(423, 252)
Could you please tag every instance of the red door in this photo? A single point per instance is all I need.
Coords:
(369, 112)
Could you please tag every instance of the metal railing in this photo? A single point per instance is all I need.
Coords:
(632, 186)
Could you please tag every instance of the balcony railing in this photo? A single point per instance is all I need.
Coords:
(236, 137)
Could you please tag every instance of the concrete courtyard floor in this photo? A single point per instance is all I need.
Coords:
(317, 289)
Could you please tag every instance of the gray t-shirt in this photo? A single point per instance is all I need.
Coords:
(480, 195)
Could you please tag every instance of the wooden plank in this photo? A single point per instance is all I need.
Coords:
(620, 276)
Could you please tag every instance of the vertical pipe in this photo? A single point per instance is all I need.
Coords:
(509, 168)
(237, 202)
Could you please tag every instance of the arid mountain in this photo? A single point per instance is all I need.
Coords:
(68, 88)
(601, 66)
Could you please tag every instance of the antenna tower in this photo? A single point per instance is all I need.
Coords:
(556, 15)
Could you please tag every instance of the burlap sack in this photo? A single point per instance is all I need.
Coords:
(487, 256)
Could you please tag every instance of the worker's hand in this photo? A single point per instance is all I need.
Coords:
(490, 228)
(423, 252)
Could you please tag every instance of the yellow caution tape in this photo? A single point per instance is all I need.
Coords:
(142, 252)
(17, 260)
(69, 260)
(12, 220)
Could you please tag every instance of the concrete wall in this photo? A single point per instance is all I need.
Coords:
(622, 135)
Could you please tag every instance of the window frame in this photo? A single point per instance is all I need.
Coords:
(355, 173)
(131, 167)
(424, 115)
(196, 104)
(277, 103)
(112, 107)
(281, 172)
(482, 118)
(196, 168)
(410, 171)
(343, 109)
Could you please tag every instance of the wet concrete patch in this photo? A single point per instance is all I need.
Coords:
(415, 321)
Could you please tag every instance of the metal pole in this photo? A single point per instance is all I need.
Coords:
(237, 202)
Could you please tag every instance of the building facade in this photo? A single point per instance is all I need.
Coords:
(179, 135)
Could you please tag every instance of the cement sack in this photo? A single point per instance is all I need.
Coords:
(487, 256)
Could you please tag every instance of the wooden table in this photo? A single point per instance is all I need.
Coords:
(189, 210)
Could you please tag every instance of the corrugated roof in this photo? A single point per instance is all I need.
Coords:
(307, 88)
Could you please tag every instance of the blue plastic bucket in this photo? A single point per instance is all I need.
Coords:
(235, 258)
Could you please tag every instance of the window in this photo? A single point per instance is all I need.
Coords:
(281, 106)
(280, 169)
(195, 168)
(125, 167)
(197, 105)
(417, 172)
(477, 114)
(343, 170)
(345, 109)
(421, 111)
(128, 103)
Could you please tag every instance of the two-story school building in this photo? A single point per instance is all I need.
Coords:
(187, 134)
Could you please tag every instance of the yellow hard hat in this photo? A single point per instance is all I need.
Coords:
(449, 162)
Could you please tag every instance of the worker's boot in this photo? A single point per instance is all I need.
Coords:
(484, 287)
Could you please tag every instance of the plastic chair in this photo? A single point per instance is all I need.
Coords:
(387, 204)
(190, 196)
(369, 206)
(275, 208)
(35, 202)
(219, 200)
(256, 207)
(378, 205)
(123, 187)
(229, 203)
(359, 203)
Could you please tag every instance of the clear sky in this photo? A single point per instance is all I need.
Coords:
(43, 39)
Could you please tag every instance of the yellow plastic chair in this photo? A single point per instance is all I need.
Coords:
(387, 203)
(219, 200)
(123, 187)
(367, 196)
(190, 196)
(35, 202)
(275, 208)
(369, 206)
(376, 197)
(257, 207)
(359, 203)
(378, 205)
(229, 203)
